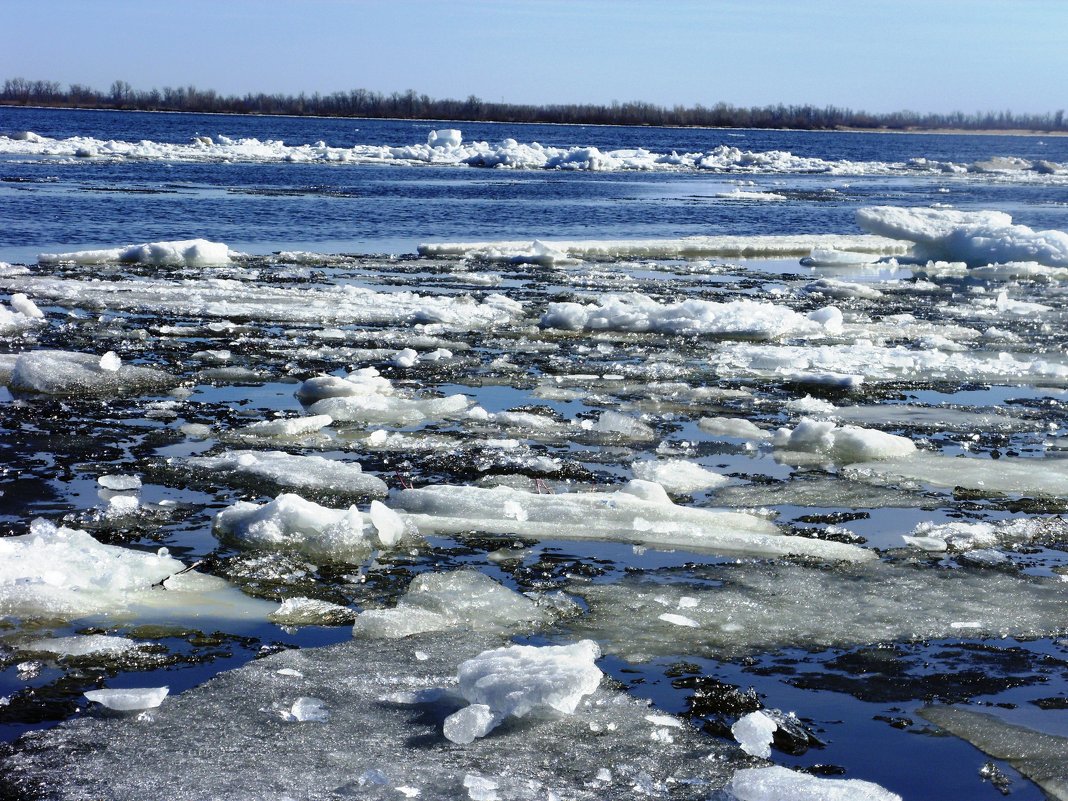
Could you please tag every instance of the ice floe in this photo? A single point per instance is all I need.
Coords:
(228, 299)
(751, 607)
(290, 521)
(292, 470)
(640, 512)
(447, 147)
(1024, 476)
(64, 573)
(821, 441)
(678, 475)
(739, 318)
(185, 253)
(55, 372)
(210, 740)
(976, 238)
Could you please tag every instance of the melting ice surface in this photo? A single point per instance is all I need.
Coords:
(581, 516)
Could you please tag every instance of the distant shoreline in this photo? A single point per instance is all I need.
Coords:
(837, 129)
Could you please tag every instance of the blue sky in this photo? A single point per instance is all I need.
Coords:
(875, 55)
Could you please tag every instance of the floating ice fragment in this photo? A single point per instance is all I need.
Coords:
(186, 253)
(119, 483)
(311, 612)
(735, 427)
(81, 645)
(678, 475)
(446, 137)
(740, 318)
(129, 700)
(679, 620)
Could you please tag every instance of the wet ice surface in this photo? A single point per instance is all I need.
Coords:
(794, 461)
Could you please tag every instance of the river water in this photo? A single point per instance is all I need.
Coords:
(969, 366)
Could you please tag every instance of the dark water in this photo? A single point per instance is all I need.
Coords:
(860, 703)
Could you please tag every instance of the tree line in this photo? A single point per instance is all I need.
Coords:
(413, 106)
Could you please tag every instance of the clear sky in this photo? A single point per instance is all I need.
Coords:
(873, 55)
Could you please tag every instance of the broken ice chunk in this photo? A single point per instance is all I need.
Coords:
(519, 680)
(110, 361)
(119, 483)
(678, 475)
(754, 733)
(816, 440)
(129, 700)
(306, 710)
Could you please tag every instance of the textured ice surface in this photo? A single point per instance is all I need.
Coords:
(751, 607)
(868, 362)
(129, 700)
(186, 253)
(456, 600)
(974, 237)
(521, 680)
(310, 612)
(65, 573)
(292, 470)
(292, 522)
(56, 372)
(226, 739)
(229, 298)
(1042, 758)
(738, 318)
(641, 512)
(960, 536)
(778, 784)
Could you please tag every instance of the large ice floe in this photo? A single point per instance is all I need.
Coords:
(641, 512)
(751, 607)
(65, 573)
(976, 238)
(228, 298)
(381, 732)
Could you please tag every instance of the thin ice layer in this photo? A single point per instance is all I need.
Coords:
(749, 607)
(454, 600)
(226, 739)
(693, 247)
(1041, 757)
(293, 470)
(1015, 475)
(641, 512)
